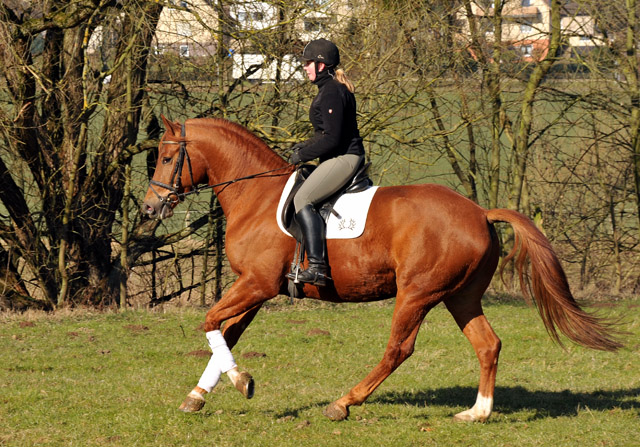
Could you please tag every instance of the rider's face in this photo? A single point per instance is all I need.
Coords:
(310, 69)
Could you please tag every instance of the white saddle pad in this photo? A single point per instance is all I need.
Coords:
(351, 210)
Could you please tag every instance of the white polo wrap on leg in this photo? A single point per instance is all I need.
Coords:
(221, 361)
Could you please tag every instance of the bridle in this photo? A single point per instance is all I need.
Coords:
(175, 184)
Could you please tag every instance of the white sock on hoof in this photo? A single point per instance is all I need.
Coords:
(233, 374)
(221, 361)
(195, 395)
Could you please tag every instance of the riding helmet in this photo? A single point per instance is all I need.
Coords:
(322, 50)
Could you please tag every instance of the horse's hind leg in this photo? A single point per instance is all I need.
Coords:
(467, 311)
(407, 318)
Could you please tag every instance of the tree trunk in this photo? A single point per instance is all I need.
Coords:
(63, 230)
(521, 148)
(630, 68)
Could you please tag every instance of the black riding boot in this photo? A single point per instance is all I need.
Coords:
(313, 232)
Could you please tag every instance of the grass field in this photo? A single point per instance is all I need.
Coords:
(116, 379)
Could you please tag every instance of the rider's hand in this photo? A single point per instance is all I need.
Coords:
(294, 158)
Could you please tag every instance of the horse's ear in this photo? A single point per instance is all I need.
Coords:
(174, 128)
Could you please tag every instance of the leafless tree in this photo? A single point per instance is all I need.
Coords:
(67, 136)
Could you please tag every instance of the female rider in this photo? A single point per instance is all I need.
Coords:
(336, 143)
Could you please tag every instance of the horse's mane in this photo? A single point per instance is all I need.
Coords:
(241, 135)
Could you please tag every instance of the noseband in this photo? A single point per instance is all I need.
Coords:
(176, 177)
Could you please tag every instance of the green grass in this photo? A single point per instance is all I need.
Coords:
(89, 379)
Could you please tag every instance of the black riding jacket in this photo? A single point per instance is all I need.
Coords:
(333, 116)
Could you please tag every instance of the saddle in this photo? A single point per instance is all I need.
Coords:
(359, 182)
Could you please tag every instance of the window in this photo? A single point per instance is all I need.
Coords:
(184, 50)
(250, 19)
(525, 27)
(488, 27)
(525, 3)
(312, 26)
(255, 16)
(526, 50)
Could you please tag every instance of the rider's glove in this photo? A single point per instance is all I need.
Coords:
(294, 158)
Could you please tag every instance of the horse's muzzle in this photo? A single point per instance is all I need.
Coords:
(156, 209)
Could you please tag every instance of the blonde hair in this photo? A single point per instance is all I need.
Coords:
(342, 78)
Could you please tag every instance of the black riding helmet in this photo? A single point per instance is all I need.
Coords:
(322, 50)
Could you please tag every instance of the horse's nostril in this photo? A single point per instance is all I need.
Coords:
(148, 210)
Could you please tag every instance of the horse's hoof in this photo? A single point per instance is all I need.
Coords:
(192, 404)
(461, 417)
(336, 412)
(245, 385)
(468, 416)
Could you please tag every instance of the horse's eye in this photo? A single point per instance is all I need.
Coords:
(166, 160)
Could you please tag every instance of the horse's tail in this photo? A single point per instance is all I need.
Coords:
(548, 288)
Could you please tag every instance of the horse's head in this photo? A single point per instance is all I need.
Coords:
(175, 173)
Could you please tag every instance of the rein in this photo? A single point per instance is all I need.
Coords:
(176, 176)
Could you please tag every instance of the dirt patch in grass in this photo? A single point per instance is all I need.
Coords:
(253, 355)
(137, 328)
(296, 321)
(200, 353)
(321, 332)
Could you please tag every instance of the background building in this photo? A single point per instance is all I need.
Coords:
(526, 25)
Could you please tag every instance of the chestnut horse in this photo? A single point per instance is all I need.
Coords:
(423, 244)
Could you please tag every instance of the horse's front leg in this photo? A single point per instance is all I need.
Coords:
(238, 308)
(231, 332)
